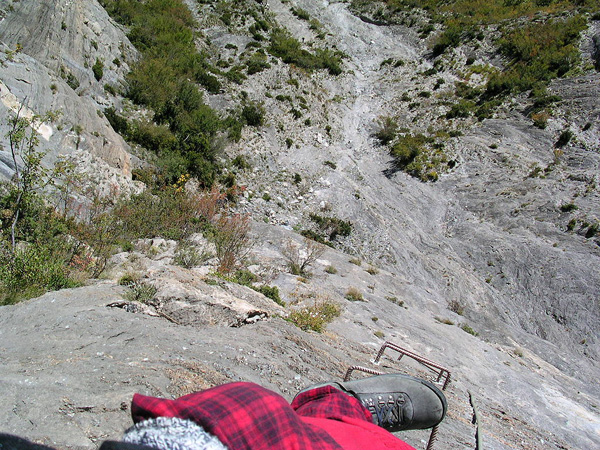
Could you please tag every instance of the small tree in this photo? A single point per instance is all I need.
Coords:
(208, 204)
(71, 184)
(30, 175)
(48, 257)
(232, 241)
(299, 259)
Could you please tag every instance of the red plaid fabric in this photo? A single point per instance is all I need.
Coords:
(246, 416)
(329, 403)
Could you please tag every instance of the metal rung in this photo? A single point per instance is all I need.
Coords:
(361, 369)
(441, 371)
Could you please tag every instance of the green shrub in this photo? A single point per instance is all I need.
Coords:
(168, 212)
(462, 109)
(354, 295)
(129, 279)
(98, 69)
(241, 162)
(542, 99)
(254, 114)
(118, 122)
(315, 317)
(592, 230)
(539, 52)
(271, 292)
(564, 138)
(35, 250)
(407, 148)
(315, 237)
(289, 49)
(332, 226)
(162, 30)
(450, 38)
(236, 75)
(110, 89)
(72, 81)
(140, 292)
(33, 270)
(247, 278)
(257, 63)
(330, 60)
(538, 38)
(228, 180)
(387, 129)
(188, 256)
(243, 277)
(234, 127)
(210, 82)
(300, 14)
(317, 27)
(467, 329)
(568, 207)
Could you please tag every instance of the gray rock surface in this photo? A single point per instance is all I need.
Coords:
(73, 359)
(42, 44)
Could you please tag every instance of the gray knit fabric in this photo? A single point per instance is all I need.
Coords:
(170, 433)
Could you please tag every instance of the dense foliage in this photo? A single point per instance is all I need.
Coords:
(537, 54)
(285, 46)
(44, 259)
(54, 250)
(163, 79)
(50, 240)
(537, 41)
(536, 51)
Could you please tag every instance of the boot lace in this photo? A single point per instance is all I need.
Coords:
(386, 409)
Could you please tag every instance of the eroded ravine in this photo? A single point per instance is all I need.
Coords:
(430, 232)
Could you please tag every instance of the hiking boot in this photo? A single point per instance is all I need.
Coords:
(396, 401)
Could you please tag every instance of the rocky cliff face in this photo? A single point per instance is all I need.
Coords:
(490, 240)
(49, 50)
